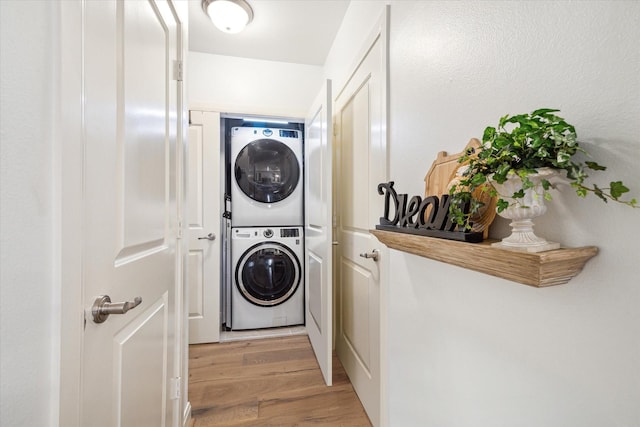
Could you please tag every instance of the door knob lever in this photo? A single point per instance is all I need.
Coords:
(103, 307)
(209, 236)
(374, 254)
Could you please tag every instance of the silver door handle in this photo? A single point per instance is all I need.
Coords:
(209, 236)
(373, 254)
(103, 307)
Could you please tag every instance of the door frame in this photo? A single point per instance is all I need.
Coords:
(68, 188)
(69, 193)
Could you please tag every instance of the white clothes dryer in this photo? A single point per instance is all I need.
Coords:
(266, 177)
(267, 287)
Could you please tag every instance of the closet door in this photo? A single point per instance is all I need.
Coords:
(318, 230)
(361, 140)
(203, 225)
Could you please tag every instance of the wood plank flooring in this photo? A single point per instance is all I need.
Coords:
(268, 382)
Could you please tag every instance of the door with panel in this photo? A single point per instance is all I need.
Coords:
(203, 225)
(132, 136)
(360, 115)
(318, 230)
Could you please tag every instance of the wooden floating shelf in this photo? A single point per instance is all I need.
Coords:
(539, 269)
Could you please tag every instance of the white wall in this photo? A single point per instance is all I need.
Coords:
(468, 349)
(28, 291)
(240, 85)
(347, 46)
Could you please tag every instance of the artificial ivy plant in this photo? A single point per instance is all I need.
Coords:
(520, 145)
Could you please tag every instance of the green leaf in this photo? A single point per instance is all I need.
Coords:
(489, 132)
(503, 120)
(595, 166)
(478, 179)
(503, 169)
(526, 184)
(502, 205)
(518, 194)
(618, 189)
(534, 141)
(598, 192)
(563, 156)
(546, 184)
(581, 191)
(542, 152)
(544, 111)
(520, 118)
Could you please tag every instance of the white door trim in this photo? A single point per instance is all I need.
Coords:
(70, 175)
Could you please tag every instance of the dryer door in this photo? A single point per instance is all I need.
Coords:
(268, 274)
(267, 171)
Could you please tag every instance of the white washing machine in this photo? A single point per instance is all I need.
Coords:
(267, 287)
(266, 182)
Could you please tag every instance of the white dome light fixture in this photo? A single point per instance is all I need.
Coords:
(229, 16)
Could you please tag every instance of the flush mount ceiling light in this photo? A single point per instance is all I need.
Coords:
(230, 16)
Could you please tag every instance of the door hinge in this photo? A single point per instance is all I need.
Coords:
(335, 129)
(177, 70)
(176, 386)
(179, 230)
(226, 215)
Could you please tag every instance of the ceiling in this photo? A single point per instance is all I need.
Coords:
(298, 31)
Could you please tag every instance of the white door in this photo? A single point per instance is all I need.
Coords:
(318, 230)
(360, 113)
(203, 224)
(132, 120)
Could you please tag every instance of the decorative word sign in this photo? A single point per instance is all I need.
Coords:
(411, 216)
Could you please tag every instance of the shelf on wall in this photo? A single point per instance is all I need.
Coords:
(539, 269)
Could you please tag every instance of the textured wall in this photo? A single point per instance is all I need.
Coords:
(466, 349)
(28, 289)
(470, 350)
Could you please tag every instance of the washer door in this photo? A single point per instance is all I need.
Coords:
(268, 274)
(267, 171)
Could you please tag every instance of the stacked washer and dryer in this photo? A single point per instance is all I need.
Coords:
(266, 286)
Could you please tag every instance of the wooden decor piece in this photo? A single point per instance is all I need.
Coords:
(444, 172)
(539, 269)
(436, 181)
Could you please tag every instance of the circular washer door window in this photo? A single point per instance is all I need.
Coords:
(267, 171)
(268, 274)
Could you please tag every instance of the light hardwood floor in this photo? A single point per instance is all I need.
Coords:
(268, 382)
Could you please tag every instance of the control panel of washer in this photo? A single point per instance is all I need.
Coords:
(289, 232)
